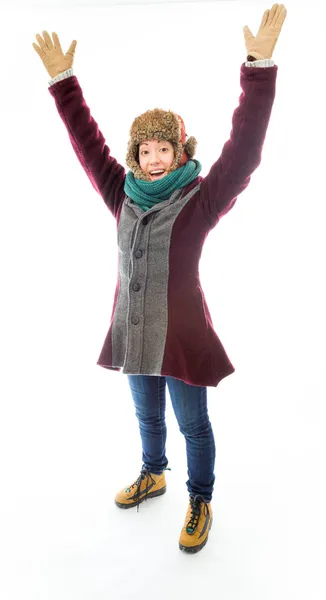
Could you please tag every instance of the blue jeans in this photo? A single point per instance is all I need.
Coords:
(190, 408)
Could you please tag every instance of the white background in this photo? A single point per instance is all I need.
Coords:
(69, 437)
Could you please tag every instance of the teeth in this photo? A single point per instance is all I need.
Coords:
(156, 172)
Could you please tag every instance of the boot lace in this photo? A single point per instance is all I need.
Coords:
(195, 503)
(143, 473)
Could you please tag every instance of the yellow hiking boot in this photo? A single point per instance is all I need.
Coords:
(148, 485)
(199, 519)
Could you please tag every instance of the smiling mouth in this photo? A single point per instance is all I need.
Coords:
(157, 175)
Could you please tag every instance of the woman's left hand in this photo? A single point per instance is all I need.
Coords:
(262, 46)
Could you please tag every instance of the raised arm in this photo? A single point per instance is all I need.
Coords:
(242, 153)
(105, 173)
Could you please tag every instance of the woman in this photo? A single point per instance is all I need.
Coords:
(161, 329)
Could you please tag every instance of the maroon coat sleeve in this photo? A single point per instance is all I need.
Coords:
(105, 173)
(242, 153)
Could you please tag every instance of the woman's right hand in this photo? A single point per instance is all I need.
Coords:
(51, 53)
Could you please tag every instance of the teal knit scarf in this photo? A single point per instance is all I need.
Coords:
(148, 193)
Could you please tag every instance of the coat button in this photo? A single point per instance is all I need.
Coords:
(134, 320)
(136, 287)
(145, 220)
(138, 254)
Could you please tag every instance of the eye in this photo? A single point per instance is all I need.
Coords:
(163, 148)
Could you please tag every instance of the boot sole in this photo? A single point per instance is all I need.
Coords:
(137, 502)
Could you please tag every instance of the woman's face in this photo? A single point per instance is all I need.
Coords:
(156, 156)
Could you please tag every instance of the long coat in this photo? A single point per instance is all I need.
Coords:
(160, 322)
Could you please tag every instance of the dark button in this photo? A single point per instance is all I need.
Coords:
(136, 287)
(139, 254)
(145, 220)
(134, 320)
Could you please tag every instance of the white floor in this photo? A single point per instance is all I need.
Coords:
(72, 442)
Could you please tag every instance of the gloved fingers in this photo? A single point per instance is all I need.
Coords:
(40, 48)
(72, 48)
(273, 18)
(280, 16)
(272, 15)
(264, 20)
(46, 43)
(47, 40)
(57, 45)
(56, 41)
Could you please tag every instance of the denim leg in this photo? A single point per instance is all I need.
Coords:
(149, 396)
(190, 407)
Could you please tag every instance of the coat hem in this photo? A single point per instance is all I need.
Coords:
(165, 374)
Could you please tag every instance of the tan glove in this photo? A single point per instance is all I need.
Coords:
(262, 46)
(51, 54)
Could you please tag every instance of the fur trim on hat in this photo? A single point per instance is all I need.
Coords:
(161, 125)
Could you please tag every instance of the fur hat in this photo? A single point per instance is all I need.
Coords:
(161, 125)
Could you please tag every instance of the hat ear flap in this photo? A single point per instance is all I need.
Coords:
(190, 146)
